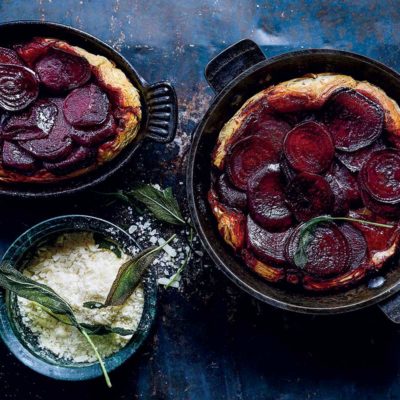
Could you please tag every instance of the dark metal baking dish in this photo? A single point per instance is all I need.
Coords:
(236, 74)
(159, 107)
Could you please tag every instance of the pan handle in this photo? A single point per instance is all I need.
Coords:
(162, 104)
(231, 62)
(391, 308)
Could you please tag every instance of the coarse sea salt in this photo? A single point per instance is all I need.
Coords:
(79, 271)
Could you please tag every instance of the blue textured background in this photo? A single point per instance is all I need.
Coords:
(211, 341)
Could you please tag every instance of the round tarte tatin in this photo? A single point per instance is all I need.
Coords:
(71, 111)
(319, 145)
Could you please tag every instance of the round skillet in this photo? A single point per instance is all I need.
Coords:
(159, 107)
(236, 74)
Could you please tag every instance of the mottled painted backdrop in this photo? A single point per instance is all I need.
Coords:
(210, 340)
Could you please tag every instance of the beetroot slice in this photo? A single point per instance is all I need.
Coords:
(247, 156)
(357, 244)
(266, 199)
(328, 252)
(268, 246)
(59, 70)
(31, 51)
(57, 145)
(379, 208)
(86, 106)
(266, 124)
(8, 56)
(228, 195)
(380, 176)
(19, 87)
(16, 158)
(33, 123)
(308, 147)
(79, 158)
(96, 135)
(354, 161)
(308, 196)
(353, 120)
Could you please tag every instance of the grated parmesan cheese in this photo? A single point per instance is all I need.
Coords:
(79, 271)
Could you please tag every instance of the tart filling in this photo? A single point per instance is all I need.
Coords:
(319, 145)
(64, 111)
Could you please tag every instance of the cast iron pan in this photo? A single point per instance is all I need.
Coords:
(236, 74)
(159, 107)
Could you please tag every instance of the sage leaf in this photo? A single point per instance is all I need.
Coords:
(307, 234)
(93, 305)
(161, 203)
(104, 243)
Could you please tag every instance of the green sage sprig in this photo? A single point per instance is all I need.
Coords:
(308, 229)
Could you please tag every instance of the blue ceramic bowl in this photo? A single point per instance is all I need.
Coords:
(20, 340)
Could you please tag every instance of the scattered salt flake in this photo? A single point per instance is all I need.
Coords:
(153, 240)
(167, 248)
(166, 281)
(132, 229)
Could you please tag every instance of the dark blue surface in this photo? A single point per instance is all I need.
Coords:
(211, 341)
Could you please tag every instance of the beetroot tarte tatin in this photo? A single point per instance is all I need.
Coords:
(64, 111)
(319, 145)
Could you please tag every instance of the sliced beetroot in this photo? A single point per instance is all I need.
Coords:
(266, 124)
(16, 158)
(34, 123)
(247, 156)
(308, 196)
(229, 195)
(31, 51)
(57, 145)
(288, 172)
(357, 244)
(377, 207)
(59, 70)
(79, 158)
(268, 246)
(86, 106)
(355, 160)
(328, 252)
(8, 56)
(19, 87)
(353, 120)
(380, 176)
(308, 147)
(266, 199)
(96, 135)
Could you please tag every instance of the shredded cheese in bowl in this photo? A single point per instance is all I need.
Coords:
(78, 270)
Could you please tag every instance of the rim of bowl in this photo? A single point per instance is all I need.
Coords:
(28, 240)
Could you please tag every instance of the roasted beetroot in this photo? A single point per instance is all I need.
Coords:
(19, 87)
(229, 195)
(357, 244)
(8, 56)
(328, 252)
(247, 156)
(95, 135)
(268, 246)
(16, 158)
(347, 183)
(353, 120)
(266, 199)
(59, 70)
(309, 195)
(308, 147)
(87, 106)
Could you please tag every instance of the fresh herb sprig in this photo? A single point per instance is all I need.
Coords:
(308, 229)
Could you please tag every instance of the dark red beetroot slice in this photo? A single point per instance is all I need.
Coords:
(58, 145)
(287, 171)
(19, 87)
(308, 147)
(247, 156)
(357, 244)
(228, 195)
(60, 71)
(95, 136)
(353, 120)
(79, 158)
(379, 208)
(354, 161)
(266, 124)
(8, 56)
(266, 199)
(328, 253)
(33, 50)
(268, 246)
(16, 158)
(34, 123)
(380, 176)
(309, 196)
(86, 106)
